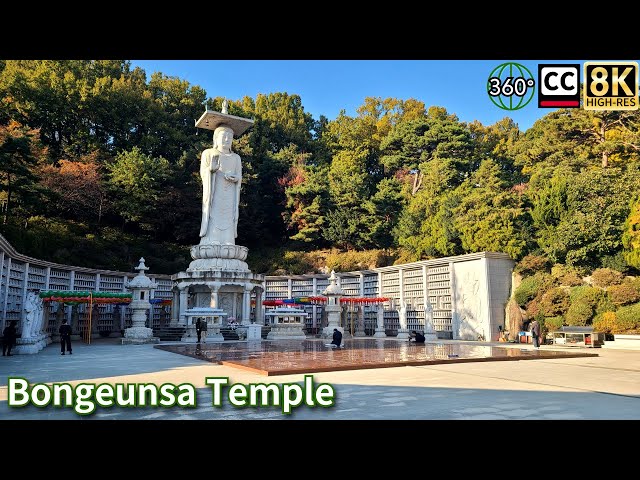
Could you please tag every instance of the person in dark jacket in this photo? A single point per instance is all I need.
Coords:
(9, 335)
(535, 333)
(65, 337)
(337, 338)
(417, 337)
(199, 328)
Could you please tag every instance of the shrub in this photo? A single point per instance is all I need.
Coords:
(553, 323)
(605, 304)
(628, 318)
(623, 294)
(527, 290)
(532, 287)
(605, 277)
(532, 264)
(585, 294)
(605, 322)
(634, 282)
(533, 308)
(579, 314)
(566, 275)
(615, 262)
(554, 302)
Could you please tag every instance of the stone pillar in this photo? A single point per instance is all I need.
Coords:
(259, 317)
(183, 307)
(175, 303)
(215, 288)
(359, 332)
(246, 306)
(380, 333)
(6, 292)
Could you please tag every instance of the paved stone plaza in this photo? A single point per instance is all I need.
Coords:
(606, 386)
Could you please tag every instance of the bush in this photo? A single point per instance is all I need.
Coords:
(527, 290)
(553, 323)
(579, 314)
(623, 294)
(615, 262)
(532, 287)
(605, 304)
(605, 277)
(585, 294)
(554, 302)
(566, 275)
(532, 264)
(633, 281)
(533, 308)
(628, 318)
(605, 322)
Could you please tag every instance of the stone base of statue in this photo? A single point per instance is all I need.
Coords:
(380, 333)
(139, 336)
(223, 282)
(286, 331)
(31, 345)
(429, 333)
(403, 334)
(218, 257)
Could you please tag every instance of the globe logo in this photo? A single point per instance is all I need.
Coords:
(511, 86)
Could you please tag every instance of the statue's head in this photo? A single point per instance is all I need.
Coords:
(222, 138)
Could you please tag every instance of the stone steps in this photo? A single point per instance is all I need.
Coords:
(173, 334)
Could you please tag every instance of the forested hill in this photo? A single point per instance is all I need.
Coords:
(99, 165)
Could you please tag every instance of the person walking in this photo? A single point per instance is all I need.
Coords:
(9, 335)
(65, 337)
(535, 333)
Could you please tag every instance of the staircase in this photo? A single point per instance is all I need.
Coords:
(229, 334)
(170, 334)
(265, 331)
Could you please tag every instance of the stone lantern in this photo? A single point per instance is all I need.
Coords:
(333, 308)
(140, 287)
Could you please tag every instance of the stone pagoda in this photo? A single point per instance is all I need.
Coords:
(141, 287)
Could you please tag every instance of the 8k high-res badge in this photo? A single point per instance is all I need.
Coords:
(611, 86)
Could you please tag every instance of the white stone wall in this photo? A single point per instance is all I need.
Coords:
(20, 273)
(467, 293)
(470, 317)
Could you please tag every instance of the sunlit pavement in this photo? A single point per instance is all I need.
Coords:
(606, 386)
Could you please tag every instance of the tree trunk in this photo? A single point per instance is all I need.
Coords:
(417, 182)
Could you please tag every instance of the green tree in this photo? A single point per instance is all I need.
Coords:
(631, 235)
(490, 215)
(18, 157)
(137, 180)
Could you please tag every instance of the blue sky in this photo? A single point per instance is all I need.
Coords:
(327, 86)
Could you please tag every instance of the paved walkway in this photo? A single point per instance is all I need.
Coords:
(602, 387)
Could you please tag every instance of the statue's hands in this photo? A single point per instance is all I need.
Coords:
(214, 166)
(231, 177)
